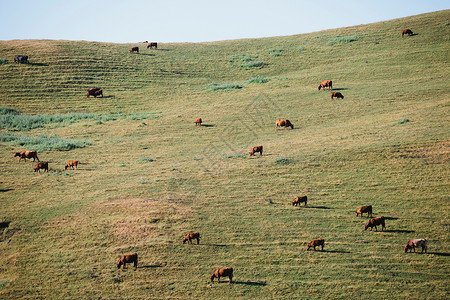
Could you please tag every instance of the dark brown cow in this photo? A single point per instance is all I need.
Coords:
(374, 222)
(337, 95)
(27, 154)
(134, 49)
(145, 42)
(198, 122)
(152, 44)
(41, 165)
(407, 31)
(256, 149)
(364, 209)
(316, 243)
(128, 259)
(284, 123)
(94, 92)
(299, 200)
(71, 163)
(192, 236)
(326, 83)
(222, 272)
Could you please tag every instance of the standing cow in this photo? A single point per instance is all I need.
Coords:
(152, 44)
(134, 49)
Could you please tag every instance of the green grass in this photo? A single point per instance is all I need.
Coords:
(223, 87)
(276, 52)
(42, 143)
(69, 228)
(258, 79)
(3, 61)
(145, 159)
(344, 39)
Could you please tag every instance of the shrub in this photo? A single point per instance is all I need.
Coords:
(225, 87)
(254, 64)
(344, 39)
(282, 161)
(276, 52)
(3, 61)
(402, 121)
(301, 48)
(42, 143)
(258, 79)
(8, 111)
(145, 159)
(243, 58)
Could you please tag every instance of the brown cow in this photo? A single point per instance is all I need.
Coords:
(374, 222)
(27, 154)
(222, 272)
(365, 209)
(71, 163)
(284, 123)
(299, 200)
(192, 236)
(337, 95)
(41, 165)
(256, 149)
(198, 121)
(145, 42)
(152, 44)
(316, 243)
(412, 244)
(128, 259)
(407, 31)
(94, 92)
(134, 49)
(326, 83)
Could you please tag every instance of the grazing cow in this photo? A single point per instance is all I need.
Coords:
(198, 122)
(94, 92)
(299, 200)
(192, 236)
(152, 44)
(374, 222)
(365, 209)
(71, 163)
(407, 31)
(27, 154)
(146, 42)
(41, 165)
(256, 149)
(22, 59)
(337, 95)
(128, 259)
(326, 83)
(222, 272)
(134, 49)
(316, 243)
(412, 244)
(284, 123)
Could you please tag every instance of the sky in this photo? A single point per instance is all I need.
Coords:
(166, 21)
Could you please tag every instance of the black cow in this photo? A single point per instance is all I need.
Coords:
(22, 59)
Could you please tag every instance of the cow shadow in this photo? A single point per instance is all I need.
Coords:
(391, 218)
(215, 245)
(207, 125)
(147, 54)
(251, 283)
(5, 190)
(439, 253)
(399, 231)
(317, 207)
(150, 266)
(38, 64)
(336, 251)
(162, 49)
(109, 96)
(339, 89)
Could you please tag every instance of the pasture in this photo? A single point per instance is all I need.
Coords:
(148, 176)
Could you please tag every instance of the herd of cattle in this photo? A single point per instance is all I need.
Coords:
(228, 272)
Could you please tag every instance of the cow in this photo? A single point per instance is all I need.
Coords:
(27, 154)
(94, 92)
(407, 31)
(222, 272)
(41, 165)
(284, 123)
(198, 122)
(134, 49)
(256, 149)
(365, 209)
(316, 243)
(192, 236)
(326, 83)
(374, 222)
(145, 42)
(152, 44)
(128, 259)
(299, 200)
(412, 244)
(337, 95)
(71, 163)
(21, 59)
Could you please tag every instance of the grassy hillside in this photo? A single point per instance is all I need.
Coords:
(148, 176)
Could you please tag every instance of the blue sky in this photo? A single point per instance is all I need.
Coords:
(192, 20)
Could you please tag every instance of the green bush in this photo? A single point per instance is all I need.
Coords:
(3, 61)
(243, 58)
(344, 39)
(276, 52)
(254, 64)
(224, 87)
(258, 79)
(145, 159)
(8, 111)
(42, 143)
(282, 161)
(403, 121)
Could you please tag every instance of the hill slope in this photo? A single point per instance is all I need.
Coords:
(148, 176)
